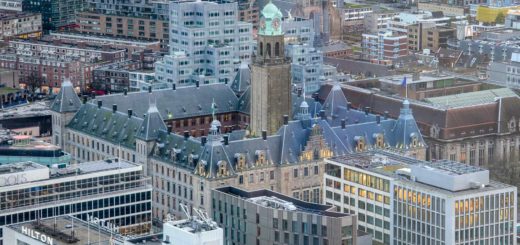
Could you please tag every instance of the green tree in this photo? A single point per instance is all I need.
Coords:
(500, 19)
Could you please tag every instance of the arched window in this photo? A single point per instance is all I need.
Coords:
(277, 49)
(268, 47)
(261, 48)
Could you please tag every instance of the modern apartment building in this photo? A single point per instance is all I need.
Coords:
(406, 201)
(114, 191)
(20, 24)
(268, 217)
(384, 47)
(428, 36)
(94, 23)
(207, 43)
(298, 30)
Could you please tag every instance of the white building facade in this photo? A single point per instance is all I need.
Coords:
(401, 200)
(205, 40)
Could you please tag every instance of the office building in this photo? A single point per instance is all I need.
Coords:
(19, 25)
(428, 36)
(268, 217)
(384, 47)
(506, 73)
(55, 13)
(111, 190)
(298, 30)
(407, 201)
(307, 67)
(207, 43)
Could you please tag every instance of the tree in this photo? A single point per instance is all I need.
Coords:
(33, 82)
(500, 19)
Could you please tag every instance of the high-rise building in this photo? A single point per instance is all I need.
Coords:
(207, 43)
(55, 13)
(401, 200)
(270, 75)
(110, 190)
(268, 217)
(384, 47)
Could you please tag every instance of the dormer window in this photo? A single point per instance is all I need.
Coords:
(414, 140)
(201, 168)
(260, 158)
(360, 143)
(240, 161)
(222, 168)
(379, 140)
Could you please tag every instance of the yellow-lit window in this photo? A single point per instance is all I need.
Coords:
(379, 198)
(353, 190)
(405, 194)
(371, 195)
(456, 207)
(471, 205)
(362, 193)
(346, 188)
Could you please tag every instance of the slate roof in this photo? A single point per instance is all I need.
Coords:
(286, 146)
(152, 124)
(103, 123)
(183, 102)
(67, 100)
(242, 80)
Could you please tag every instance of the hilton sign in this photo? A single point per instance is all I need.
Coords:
(37, 235)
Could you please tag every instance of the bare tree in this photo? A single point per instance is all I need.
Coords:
(33, 82)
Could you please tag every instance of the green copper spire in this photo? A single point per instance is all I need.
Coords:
(270, 20)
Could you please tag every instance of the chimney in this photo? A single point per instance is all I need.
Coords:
(416, 76)
(186, 135)
(264, 135)
(93, 95)
(322, 115)
(299, 91)
(130, 112)
(114, 108)
(173, 86)
(349, 106)
(226, 82)
(169, 129)
(125, 92)
(378, 119)
(85, 99)
(226, 140)
(367, 110)
(285, 119)
(197, 84)
(99, 103)
(203, 140)
(316, 97)
(150, 89)
(343, 123)
(386, 115)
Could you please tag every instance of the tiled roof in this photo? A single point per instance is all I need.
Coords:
(67, 100)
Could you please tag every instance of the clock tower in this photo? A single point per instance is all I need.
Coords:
(270, 75)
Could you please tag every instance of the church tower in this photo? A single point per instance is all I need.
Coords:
(270, 75)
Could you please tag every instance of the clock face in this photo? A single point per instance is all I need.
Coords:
(262, 24)
(276, 23)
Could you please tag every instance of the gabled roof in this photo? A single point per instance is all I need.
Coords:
(184, 102)
(152, 124)
(67, 100)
